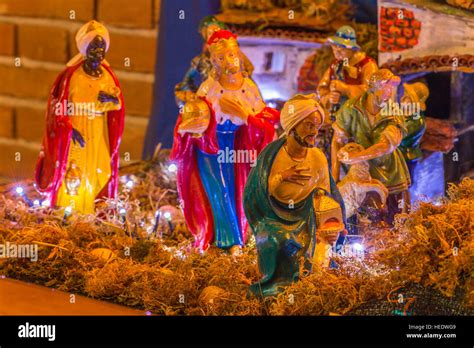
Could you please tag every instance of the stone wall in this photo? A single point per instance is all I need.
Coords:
(36, 41)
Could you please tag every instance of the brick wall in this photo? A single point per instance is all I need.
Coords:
(38, 36)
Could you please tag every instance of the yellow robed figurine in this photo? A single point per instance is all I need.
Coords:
(85, 106)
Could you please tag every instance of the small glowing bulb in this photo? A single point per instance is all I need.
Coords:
(122, 211)
(36, 203)
(129, 184)
(68, 210)
(167, 215)
(19, 190)
(358, 247)
(172, 168)
(46, 203)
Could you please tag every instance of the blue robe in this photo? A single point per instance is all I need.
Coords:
(218, 180)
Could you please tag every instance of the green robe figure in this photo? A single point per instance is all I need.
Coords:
(367, 121)
(290, 199)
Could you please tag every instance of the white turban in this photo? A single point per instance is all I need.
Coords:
(85, 36)
(297, 109)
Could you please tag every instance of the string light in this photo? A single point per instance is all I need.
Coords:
(157, 220)
(172, 168)
(353, 247)
(21, 192)
(123, 214)
(67, 213)
(129, 184)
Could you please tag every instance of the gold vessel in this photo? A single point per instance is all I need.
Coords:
(196, 117)
(73, 179)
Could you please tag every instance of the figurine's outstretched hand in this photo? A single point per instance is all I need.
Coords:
(348, 157)
(77, 137)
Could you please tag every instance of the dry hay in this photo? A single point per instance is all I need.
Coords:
(163, 274)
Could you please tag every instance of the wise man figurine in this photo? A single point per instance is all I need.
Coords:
(365, 121)
(201, 65)
(79, 159)
(217, 138)
(291, 201)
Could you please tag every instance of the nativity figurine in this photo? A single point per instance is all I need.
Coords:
(79, 159)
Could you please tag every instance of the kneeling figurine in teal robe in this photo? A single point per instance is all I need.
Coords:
(291, 201)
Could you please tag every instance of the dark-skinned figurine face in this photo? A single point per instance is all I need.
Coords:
(306, 132)
(96, 50)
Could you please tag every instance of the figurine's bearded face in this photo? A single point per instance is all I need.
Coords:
(227, 59)
(341, 53)
(96, 49)
(306, 132)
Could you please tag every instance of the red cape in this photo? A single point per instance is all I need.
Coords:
(258, 132)
(52, 161)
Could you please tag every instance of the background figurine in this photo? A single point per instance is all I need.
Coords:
(201, 65)
(363, 120)
(217, 139)
(414, 94)
(348, 75)
(79, 159)
(288, 198)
